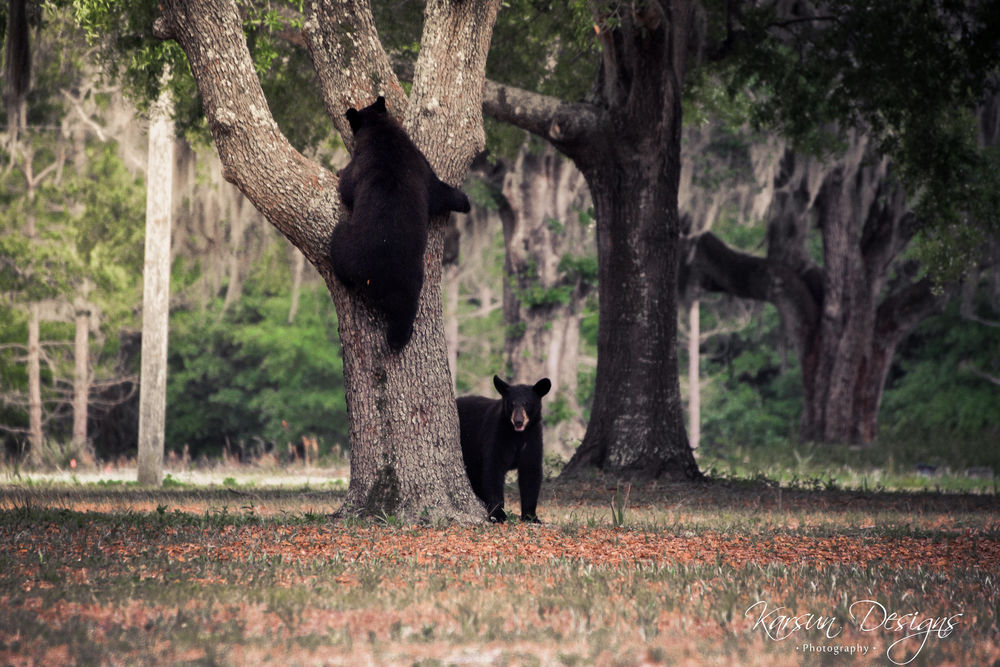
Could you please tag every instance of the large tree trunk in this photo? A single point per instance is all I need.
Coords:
(637, 420)
(156, 293)
(405, 456)
(543, 295)
(626, 141)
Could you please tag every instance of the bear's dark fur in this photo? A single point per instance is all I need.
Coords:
(390, 190)
(501, 435)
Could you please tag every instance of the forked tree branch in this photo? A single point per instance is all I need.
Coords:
(350, 61)
(255, 155)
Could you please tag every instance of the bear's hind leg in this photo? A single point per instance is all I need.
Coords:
(400, 310)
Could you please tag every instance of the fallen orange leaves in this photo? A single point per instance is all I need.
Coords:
(528, 544)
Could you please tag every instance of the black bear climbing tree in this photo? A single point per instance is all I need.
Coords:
(405, 456)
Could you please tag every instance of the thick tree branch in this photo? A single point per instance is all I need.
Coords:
(442, 96)
(716, 267)
(565, 124)
(350, 62)
(906, 307)
(256, 157)
(889, 225)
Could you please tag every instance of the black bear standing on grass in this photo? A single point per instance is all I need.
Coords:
(390, 190)
(500, 435)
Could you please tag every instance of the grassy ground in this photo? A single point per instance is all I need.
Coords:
(728, 572)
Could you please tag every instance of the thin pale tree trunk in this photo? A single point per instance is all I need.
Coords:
(156, 294)
(81, 378)
(35, 436)
(694, 373)
(298, 267)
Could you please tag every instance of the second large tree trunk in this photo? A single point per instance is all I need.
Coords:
(637, 420)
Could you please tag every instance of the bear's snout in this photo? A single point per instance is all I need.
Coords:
(519, 418)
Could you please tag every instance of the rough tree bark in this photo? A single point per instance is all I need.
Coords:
(626, 141)
(846, 317)
(405, 457)
(156, 293)
(542, 301)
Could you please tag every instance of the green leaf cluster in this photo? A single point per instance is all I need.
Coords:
(576, 272)
(248, 375)
(127, 50)
(933, 392)
(751, 396)
(547, 46)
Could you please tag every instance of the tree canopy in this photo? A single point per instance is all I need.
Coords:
(911, 76)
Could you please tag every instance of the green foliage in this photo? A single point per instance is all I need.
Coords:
(581, 270)
(482, 193)
(86, 209)
(748, 399)
(959, 226)
(249, 376)
(933, 393)
(129, 52)
(558, 410)
(536, 295)
(575, 273)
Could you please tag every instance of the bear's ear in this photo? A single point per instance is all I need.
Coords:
(354, 118)
(542, 387)
(379, 105)
(501, 386)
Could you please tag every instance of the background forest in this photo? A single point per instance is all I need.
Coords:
(254, 356)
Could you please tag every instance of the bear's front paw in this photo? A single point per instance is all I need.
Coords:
(498, 515)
